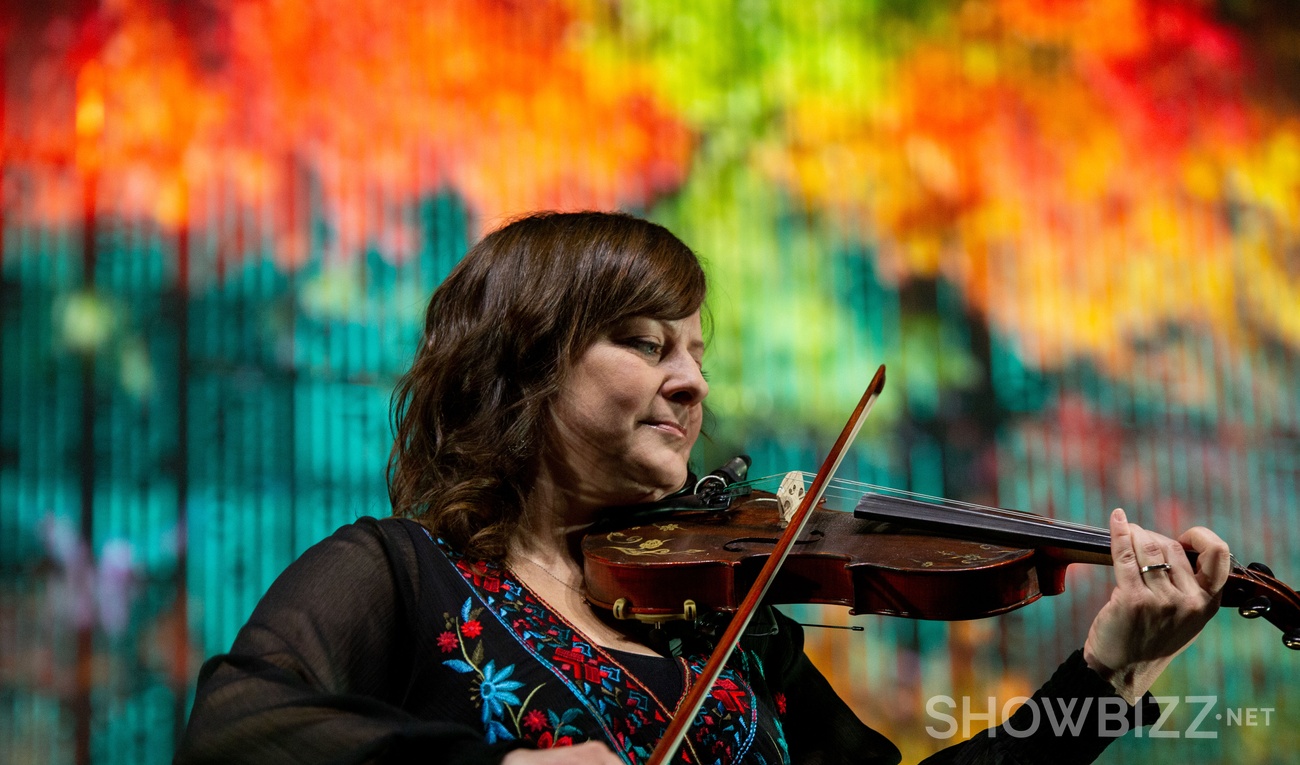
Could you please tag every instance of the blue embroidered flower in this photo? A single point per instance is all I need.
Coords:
(496, 690)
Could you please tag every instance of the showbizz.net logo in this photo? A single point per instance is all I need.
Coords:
(1108, 716)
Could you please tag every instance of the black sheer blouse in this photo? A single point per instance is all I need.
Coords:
(381, 645)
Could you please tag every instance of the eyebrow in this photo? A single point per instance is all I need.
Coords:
(672, 323)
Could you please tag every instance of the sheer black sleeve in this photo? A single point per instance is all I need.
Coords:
(820, 729)
(320, 672)
(1062, 724)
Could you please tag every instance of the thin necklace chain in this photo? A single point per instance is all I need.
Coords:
(560, 581)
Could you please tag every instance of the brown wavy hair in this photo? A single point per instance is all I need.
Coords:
(472, 416)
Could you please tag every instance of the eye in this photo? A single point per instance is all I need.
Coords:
(645, 346)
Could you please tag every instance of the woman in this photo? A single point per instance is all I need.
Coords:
(559, 374)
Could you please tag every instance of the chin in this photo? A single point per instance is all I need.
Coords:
(654, 476)
(673, 480)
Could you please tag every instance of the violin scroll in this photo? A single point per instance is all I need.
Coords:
(1258, 594)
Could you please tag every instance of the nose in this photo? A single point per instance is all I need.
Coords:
(685, 383)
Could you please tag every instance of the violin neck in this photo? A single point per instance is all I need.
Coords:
(1069, 542)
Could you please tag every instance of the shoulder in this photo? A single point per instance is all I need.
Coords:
(365, 543)
(425, 572)
(369, 573)
(400, 545)
(402, 540)
(367, 560)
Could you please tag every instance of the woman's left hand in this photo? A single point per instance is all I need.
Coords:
(1151, 617)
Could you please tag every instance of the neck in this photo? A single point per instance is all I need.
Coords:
(545, 553)
(550, 528)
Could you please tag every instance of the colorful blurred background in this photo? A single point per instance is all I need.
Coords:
(1071, 228)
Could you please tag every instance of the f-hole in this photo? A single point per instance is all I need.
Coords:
(743, 544)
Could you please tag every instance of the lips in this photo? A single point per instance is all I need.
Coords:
(668, 426)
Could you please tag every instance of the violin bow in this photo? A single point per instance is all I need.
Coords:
(690, 706)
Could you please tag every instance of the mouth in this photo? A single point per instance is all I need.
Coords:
(667, 426)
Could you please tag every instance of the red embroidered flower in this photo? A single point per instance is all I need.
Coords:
(547, 741)
(779, 698)
(535, 720)
(447, 642)
(472, 628)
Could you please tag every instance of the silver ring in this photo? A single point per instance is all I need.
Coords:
(1155, 567)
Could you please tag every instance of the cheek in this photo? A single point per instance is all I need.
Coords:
(615, 410)
(603, 418)
(696, 423)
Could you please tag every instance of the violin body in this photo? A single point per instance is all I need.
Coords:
(712, 559)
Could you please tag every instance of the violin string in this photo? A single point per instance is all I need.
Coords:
(986, 510)
(838, 489)
(1027, 519)
(1236, 566)
(1245, 571)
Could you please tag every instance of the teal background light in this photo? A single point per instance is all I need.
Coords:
(221, 221)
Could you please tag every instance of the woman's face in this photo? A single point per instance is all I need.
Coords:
(631, 409)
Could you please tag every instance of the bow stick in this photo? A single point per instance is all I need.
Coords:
(690, 706)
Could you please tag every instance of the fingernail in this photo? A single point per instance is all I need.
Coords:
(1118, 514)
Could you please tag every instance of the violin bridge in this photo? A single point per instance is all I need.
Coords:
(788, 496)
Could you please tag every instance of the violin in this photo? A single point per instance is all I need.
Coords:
(732, 549)
(896, 554)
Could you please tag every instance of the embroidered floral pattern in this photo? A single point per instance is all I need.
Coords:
(448, 642)
(535, 720)
(493, 691)
(609, 702)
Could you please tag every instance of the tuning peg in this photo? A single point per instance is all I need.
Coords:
(1255, 607)
(1291, 639)
(1261, 568)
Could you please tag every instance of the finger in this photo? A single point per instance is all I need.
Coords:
(598, 753)
(1180, 568)
(589, 747)
(1214, 562)
(1121, 551)
(1150, 551)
